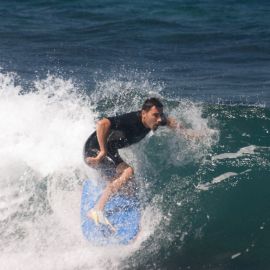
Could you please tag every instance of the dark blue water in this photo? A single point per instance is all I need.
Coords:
(66, 63)
(199, 49)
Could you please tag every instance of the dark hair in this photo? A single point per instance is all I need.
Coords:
(150, 102)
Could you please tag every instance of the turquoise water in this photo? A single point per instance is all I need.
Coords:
(217, 206)
(65, 64)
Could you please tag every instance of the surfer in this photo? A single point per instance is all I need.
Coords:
(113, 133)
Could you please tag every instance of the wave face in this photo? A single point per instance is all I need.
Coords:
(204, 203)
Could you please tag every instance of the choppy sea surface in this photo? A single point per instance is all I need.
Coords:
(65, 64)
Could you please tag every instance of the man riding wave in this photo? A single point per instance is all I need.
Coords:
(113, 133)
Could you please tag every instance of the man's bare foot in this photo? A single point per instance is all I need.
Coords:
(98, 217)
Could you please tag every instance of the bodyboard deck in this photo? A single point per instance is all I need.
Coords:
(122, 211)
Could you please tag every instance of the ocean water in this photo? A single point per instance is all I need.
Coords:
(65, 64)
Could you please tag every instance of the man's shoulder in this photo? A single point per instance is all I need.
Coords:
(133, 114)
(125, 119)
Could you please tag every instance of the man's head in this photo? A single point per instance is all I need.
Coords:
(152, 111)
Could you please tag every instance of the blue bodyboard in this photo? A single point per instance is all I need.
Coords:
(122, 211)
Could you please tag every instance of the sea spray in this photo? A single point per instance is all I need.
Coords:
(43, 129)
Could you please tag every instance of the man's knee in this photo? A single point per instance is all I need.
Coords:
(125, 172)
(124, 167)
(130, 171)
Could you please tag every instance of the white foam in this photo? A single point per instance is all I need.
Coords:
(42, 136)
(236, 255)
(45, 129)
(248, 150)
(222, 177)
(216, 180)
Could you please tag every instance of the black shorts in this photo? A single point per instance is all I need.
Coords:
(91, 149)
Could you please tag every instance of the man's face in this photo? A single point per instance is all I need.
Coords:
(152, 118)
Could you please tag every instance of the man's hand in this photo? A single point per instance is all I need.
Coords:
(96, 160)
(191, 134)
(188, 133)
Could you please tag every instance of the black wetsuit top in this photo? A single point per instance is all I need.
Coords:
(125, 129)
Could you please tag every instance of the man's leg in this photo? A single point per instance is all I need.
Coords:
(123, 173)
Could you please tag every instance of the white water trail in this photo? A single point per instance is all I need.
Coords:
(248, 150)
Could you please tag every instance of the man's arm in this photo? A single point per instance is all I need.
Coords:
(173, 124)
(188, 133)
(103, 128)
